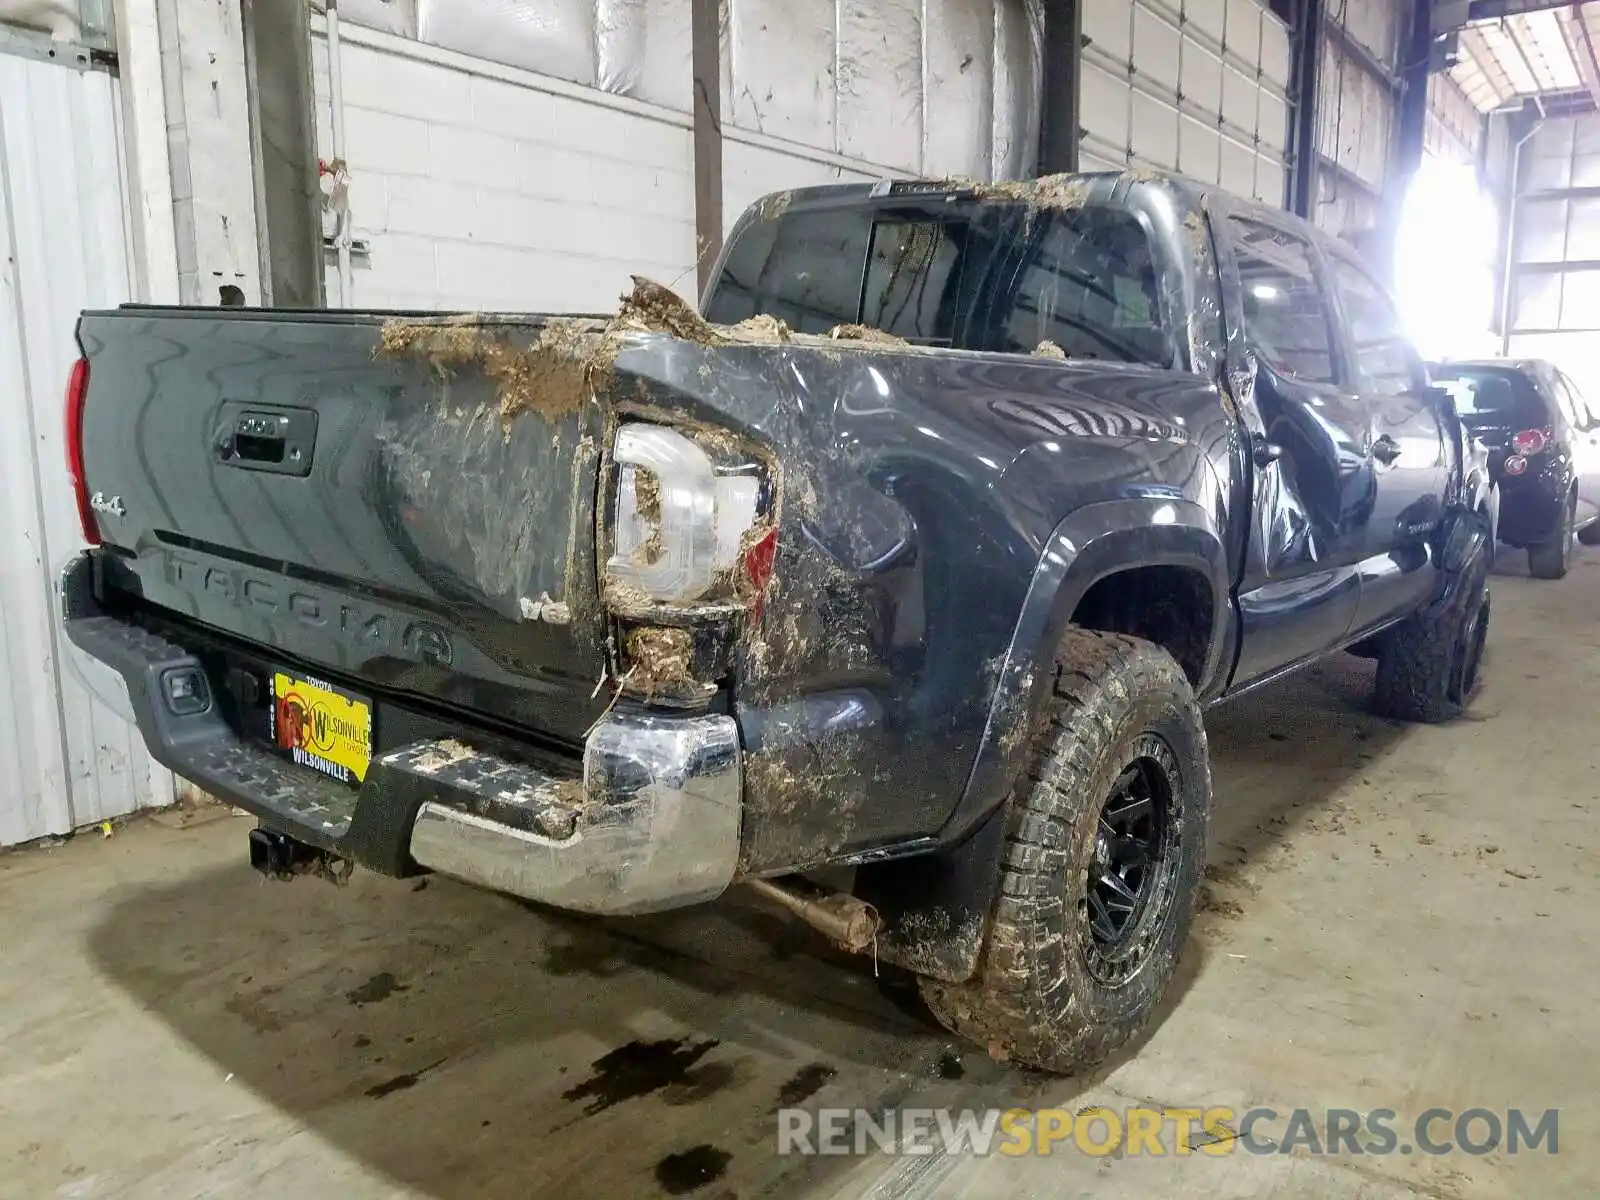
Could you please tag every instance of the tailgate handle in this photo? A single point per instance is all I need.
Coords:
(260, 437)
(267, 439)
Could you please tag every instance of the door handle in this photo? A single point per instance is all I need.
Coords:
(1386, 449)
(1264, 453)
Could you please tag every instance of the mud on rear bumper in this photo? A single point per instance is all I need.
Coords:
(648, 820)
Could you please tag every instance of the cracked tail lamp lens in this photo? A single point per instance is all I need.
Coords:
(677, 524)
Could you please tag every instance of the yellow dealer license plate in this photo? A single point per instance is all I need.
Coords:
(322, 727)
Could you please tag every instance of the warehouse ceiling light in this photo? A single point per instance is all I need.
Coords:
(1444, 262)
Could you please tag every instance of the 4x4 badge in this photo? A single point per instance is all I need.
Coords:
(101, 503)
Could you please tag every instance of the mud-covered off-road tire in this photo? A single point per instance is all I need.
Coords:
(1552, 558)
(1043, 995)
(1430, 664)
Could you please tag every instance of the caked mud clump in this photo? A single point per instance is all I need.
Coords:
(652, 308)
(762, 328)
(647, 501)
(774, 206)
(568, 361)
(661, 661)
(571, 359)
(865, 333)
(1061, 192)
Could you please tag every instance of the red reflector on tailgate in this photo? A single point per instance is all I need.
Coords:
(77, 389)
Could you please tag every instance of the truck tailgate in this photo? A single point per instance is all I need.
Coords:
(388, 517)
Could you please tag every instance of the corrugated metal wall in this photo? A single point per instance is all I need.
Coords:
(1454, 129)
(931, 87)
(1197, 86)
(1357, 101)
(66, 759)
(1555, 287)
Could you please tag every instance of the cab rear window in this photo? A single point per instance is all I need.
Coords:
(997, 277)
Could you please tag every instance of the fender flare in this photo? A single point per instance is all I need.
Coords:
(935, 906)
(1091, 544)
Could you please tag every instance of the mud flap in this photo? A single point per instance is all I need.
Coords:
(935, 907)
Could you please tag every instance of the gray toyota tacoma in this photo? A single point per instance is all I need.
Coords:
(921, 552)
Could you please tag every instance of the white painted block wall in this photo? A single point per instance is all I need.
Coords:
(485, 187)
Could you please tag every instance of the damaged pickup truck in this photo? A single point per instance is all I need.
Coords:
(921, 553)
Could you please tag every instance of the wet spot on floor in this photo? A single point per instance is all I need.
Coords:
(638, 1069)
(685, 1172)
(401, 1082)
(380, 987)
(804, 1084)
(253, 1013)
(589, 957)
(702, 1083)
(949, 1066)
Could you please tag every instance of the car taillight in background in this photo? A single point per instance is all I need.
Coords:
(1528, 442)
(686, 521)
(77, 389)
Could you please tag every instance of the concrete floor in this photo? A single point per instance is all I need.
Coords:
(1398, 918)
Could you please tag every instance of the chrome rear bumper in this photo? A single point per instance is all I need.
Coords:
(654, 823)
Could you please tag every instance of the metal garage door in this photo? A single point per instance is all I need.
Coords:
(1197, 86)
(66, 760)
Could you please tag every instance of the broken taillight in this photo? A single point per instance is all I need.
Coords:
(681, 516)
(77, 390)
(760, 556)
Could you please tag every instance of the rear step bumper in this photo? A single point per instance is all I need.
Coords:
(649, 821)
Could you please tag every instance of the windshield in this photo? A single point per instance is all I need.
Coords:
(990, 276)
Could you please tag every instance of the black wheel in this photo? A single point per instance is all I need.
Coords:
(1589, 535)
(1103, 857)
(1551, 558)
(1430, 663)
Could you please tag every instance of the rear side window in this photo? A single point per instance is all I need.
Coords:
(1285, 315)
(1086, 280)
(804, 269)
(1383, 355)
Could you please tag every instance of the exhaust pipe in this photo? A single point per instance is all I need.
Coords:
(853, 924)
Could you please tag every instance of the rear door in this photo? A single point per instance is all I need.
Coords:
(1409, 463)
(1312, 486)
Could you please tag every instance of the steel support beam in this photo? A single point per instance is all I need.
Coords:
(1413, 100)
(1061, 60)
(1410, 130)
(283, 135)
(1308, 30)
(706, 64)
(208, 143)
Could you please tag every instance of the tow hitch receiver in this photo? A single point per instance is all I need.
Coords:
(279, 856)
